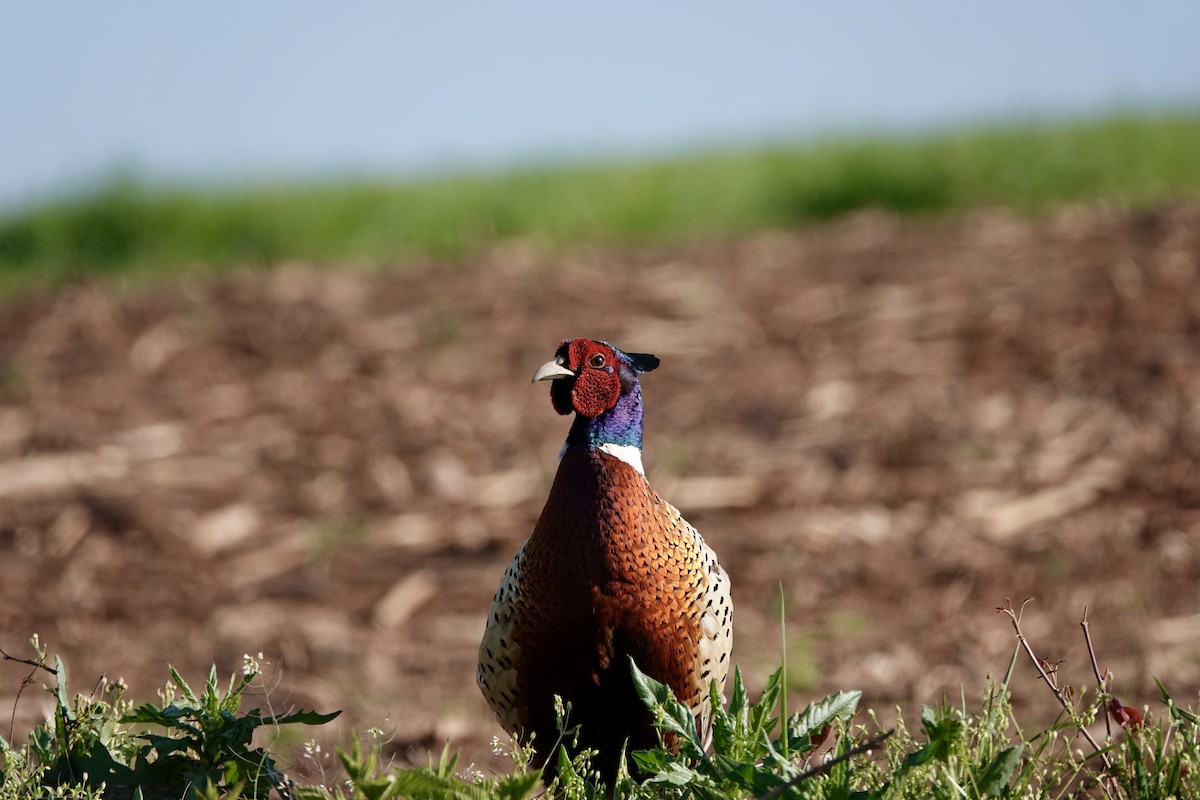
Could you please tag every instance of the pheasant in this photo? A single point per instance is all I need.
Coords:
(610, 572)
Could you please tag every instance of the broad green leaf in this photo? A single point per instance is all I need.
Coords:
(739, 700)
(942, 733)
(751, 778)
(170, 717)
(165, 745)
(566, 770)
(670, 715)
(776, 761)
(419, 782)
(723, 732)
(212, 695)
(651, 761)
(759, 720)
(186, 690)
(233, 698)
(304, 717)
(233, 733)
(356, 765)
(518, 787)
(1176, 712)
(675, 774)
(94, 760)
(446, 762)
(817, 716)
(994, 780)
(923, 755)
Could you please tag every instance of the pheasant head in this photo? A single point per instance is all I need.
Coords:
(598, 383)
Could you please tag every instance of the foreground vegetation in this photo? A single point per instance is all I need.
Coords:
(127, 228)
(199, 745)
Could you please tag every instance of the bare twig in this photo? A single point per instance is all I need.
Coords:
(30, 662)
(1100, 682)
(25, 682)
(865, 747)
(1015, 616)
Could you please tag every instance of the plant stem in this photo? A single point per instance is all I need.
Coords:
(783, 717)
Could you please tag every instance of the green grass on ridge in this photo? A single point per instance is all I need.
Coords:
(127, 227)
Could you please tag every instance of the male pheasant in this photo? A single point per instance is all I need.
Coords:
(611, 571)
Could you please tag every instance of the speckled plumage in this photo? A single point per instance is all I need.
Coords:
(611, 571)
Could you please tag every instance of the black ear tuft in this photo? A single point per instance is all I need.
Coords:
(643, 362)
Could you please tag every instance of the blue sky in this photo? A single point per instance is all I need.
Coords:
(233, 91)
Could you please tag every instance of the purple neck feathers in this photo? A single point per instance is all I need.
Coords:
(621, 425)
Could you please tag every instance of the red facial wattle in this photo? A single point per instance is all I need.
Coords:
(598, 387)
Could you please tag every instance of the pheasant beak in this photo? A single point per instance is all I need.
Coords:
(552, 371)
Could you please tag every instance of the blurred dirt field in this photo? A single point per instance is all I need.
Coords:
(900, 422)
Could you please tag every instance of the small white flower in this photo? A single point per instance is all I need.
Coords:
(250, 664)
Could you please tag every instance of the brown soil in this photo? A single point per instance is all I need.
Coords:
(903, 423)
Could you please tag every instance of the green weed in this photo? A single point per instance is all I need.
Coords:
(190, 745)
(197, 745)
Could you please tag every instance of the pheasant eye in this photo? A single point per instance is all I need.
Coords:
(597, 360)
